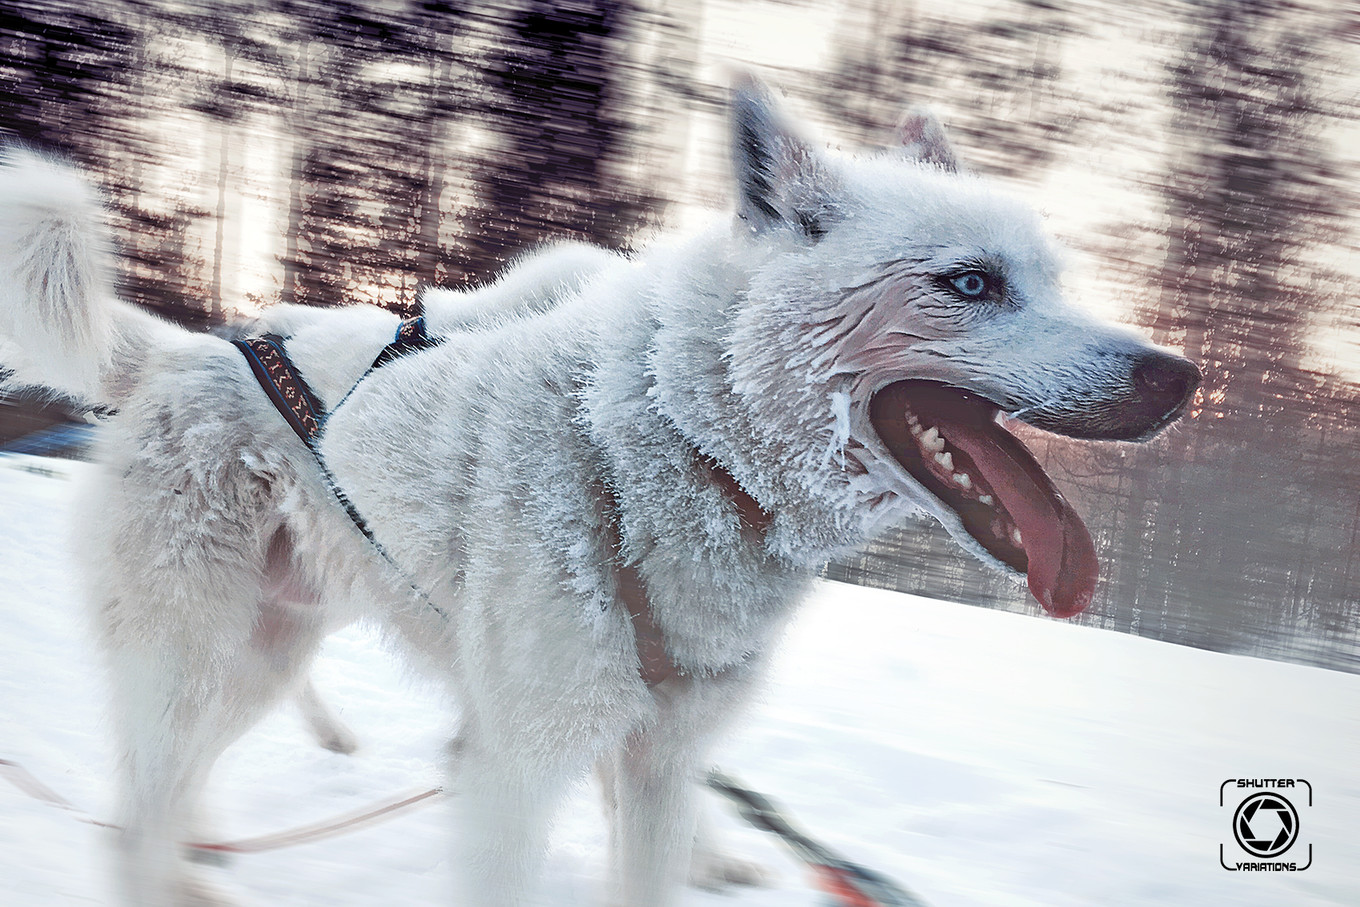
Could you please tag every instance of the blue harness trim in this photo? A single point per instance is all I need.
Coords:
(285, 387)
(411, 337)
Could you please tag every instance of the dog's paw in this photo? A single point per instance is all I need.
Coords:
(338, 739)
(718, 871)
(326, 727)
(329, 731)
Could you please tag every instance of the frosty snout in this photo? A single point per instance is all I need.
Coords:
(1125, 396)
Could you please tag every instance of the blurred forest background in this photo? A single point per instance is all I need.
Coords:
(1200, 157)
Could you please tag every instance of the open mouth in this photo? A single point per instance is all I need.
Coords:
(950, 442)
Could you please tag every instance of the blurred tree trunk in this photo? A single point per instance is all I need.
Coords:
(1247, 198)
(215, 307)
(555, 99)
(297, 121)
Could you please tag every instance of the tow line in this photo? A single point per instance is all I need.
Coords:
(848, 884)
(21, 778)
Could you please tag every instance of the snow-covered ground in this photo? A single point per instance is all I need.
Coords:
(980, 758)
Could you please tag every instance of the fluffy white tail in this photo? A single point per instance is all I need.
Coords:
(61, 325)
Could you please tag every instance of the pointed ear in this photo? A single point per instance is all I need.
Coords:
(782, 181)
(923, 138)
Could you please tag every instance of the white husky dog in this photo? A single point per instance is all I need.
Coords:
(609, 500)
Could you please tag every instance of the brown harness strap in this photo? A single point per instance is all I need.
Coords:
(655, 664)
(753, 517)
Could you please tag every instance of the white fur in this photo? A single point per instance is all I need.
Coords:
(338, 345)
(54, 255)
(489, 465)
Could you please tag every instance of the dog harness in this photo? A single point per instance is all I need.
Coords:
(295, 401)
(285, 387)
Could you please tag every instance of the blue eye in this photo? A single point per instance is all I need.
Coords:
(972, 284)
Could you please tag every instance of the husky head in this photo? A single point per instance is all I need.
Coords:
(896, 314)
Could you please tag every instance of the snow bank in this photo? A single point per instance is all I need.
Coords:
(980, 758)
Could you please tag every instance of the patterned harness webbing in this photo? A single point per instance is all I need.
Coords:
(288, 391)
(285, 387)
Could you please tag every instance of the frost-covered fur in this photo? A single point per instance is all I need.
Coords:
(557, 429)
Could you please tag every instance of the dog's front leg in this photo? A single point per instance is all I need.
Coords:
(712, 866)
(655, 815)
(504, 797)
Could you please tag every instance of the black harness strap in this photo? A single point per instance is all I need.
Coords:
(411, 337)
(285, 387)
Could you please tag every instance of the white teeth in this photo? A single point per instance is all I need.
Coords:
(962, 480)
(985, 499)
(946, 460)
(931, 440)
(1017, 538)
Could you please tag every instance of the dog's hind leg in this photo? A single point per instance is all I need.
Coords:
(184, 690)
(330, 732)
(169, 718)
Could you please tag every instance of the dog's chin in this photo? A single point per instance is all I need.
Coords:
(950, 442)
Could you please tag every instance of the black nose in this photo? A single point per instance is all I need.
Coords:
(1164, 384)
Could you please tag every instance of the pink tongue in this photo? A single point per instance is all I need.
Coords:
(1062, 568)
